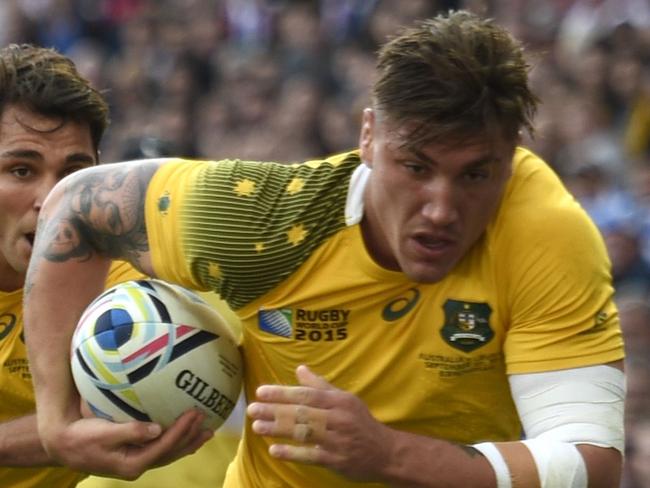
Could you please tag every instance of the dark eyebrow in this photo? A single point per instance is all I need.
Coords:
(480, 161)
(37, 156)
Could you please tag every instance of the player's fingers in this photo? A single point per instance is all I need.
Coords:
(298, 422)
(308, 378)
(179, 439)
(286, 415)
(299, 395)
(303, 454)
(136, 433)
(301, 423)
(186, 432)
(261, 411)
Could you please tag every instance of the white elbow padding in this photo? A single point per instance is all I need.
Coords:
(577, 406)
(550, 464)
(498, 463)
(559, 464)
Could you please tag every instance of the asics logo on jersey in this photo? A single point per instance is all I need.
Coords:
(7, 323)
(399, 307)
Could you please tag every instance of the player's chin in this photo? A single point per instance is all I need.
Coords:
(429, 267)
(424, 264)
(423, 272)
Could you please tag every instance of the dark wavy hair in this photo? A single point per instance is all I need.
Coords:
(454, 78)
(47, 82)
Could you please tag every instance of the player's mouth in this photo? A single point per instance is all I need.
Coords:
(432, 247)
(30, 236)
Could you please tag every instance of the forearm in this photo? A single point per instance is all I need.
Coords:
(603, 465)
(65, 274)
(422, 462)
(20, 445)
(52, 308)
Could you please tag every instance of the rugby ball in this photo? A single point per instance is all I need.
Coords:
(148, 350)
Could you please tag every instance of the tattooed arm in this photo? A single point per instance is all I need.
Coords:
(98, 213)
(90, 218)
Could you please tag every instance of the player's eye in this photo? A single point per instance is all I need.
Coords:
(415, 167)
(21, 172)
(477, 175)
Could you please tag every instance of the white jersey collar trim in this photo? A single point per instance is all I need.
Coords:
(354, 203)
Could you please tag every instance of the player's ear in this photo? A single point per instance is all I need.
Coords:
(366, 136)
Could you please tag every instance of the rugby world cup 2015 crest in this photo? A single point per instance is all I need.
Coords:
(467, 325)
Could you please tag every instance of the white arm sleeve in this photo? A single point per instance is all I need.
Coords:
(578, 406)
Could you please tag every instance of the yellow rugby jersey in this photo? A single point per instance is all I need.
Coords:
(17, 390)
(283, 245)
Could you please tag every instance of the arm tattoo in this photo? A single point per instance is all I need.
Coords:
(102, 211)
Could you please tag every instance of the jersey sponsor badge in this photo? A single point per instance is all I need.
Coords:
(467, 325)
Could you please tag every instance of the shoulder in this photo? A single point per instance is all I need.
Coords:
(538, 209)
(229, 217)
(553, 272)
(535, 189)
(542, 237)
(235, 168)
(247, 185)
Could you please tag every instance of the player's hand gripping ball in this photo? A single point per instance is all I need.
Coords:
(149, 350)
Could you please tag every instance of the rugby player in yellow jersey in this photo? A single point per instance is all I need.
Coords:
(433, 310)
(51, 123)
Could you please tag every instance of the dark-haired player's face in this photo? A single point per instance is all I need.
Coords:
(35, 153)
(425, 208)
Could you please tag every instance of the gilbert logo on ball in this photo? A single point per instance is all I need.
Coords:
(149, 350)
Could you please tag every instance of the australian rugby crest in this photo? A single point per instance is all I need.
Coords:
(467, 325)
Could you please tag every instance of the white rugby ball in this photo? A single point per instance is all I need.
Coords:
(149, 350)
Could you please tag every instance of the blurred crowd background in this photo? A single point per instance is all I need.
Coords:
(286, 81)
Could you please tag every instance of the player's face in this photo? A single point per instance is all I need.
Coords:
(35, 152)
(424, 209)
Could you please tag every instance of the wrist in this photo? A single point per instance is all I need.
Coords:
(52, 423)
(417, 461)
(397, 447)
